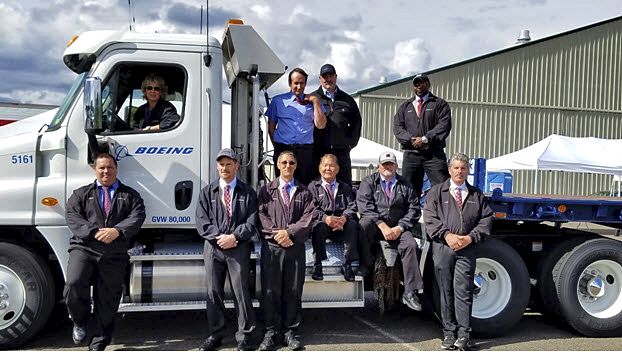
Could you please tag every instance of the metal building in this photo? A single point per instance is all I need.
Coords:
(10, 112)
(568, 84)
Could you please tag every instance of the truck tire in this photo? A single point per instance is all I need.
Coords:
(590, 288)
(549, 269)
(26, 295)
(502, 289)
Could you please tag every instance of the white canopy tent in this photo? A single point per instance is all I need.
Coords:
(560, 153)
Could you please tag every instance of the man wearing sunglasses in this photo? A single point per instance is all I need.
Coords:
(285, 214)
(157, 113)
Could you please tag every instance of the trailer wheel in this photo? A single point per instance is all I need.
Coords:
(501, 289)
(549, 270)
(26, 295)
(590, 288)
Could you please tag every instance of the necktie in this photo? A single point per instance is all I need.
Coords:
(107, 202)
(459, 197)
(420, 107)
(286, 199)
(388, 190)
(228, 202)
(331, 195)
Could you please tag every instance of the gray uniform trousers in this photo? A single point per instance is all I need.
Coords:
(282, 280)
(454, 273)
(406, 247)
(235, 262)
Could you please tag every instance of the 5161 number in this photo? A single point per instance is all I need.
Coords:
(21, 159)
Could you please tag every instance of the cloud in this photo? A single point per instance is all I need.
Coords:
(410, 57)
(262, 11)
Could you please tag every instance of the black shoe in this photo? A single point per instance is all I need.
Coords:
(210, 344)
(293, 343)
(448, 342)
(78, 334)
(346, 270)
(244, 346)
(362, 271)
(462, 344)
(317, 272)
(411, 300)
(98, 348)
(270, 341)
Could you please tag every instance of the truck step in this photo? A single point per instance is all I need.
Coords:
(199, 305)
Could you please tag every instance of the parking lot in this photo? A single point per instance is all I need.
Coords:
(352, 329)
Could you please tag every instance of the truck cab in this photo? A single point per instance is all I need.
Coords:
(50, 156)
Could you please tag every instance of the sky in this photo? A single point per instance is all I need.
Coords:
(365, 40)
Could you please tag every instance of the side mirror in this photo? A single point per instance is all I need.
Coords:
(93, 123)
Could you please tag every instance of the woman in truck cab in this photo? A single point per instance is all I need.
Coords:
(157, 113)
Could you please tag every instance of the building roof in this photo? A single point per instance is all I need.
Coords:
(17, 111)
(514, 47)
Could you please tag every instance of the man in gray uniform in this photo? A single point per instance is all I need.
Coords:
(285, 211)
(103, 217)
(389, 210)
(335, 217)
(226, 218)
(457, 218)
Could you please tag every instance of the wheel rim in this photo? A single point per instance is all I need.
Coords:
(493, 288)
(12, 296)
(599, 289)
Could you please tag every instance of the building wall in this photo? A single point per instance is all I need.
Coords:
(569, 84)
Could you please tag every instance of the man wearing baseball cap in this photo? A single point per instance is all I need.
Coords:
(343, 124)
(226, 219)
(389, 210)
(421, 126)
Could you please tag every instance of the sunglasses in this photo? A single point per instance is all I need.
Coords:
(286, 162)
(157, 89)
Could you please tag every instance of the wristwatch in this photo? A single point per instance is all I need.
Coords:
(424, 139)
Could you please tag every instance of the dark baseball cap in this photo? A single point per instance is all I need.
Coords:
(226, 152)
(327, 68)
(421, 77)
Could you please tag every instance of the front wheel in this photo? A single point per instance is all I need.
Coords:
(26, 295)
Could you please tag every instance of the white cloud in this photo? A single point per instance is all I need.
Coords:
(34, 96)
(410, 57)
(262, 11)
(364, 39)
(12, 23)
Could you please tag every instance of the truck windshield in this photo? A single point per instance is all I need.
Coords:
(69, 99)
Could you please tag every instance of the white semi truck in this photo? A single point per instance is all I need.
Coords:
(44, 158)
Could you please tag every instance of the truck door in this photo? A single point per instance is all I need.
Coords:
(161, 165)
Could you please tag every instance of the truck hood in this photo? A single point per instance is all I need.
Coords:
(29, 125)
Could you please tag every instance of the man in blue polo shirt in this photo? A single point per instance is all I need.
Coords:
(291, 119)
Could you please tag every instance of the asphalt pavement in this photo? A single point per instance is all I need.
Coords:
(339, 329)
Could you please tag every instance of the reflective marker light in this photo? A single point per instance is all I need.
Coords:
(73, 39)
(49, 201)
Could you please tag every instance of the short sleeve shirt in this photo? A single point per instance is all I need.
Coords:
(294, 122)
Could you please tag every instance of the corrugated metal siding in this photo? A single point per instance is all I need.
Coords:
(568, 85)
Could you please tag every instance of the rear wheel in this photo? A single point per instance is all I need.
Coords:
(590, 288)
(501, 289)
(549, 270)
(26, 295)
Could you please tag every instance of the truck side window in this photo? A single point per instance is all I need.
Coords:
(143, 98)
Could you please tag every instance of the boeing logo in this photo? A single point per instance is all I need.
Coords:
(164, 150)
(120, 152)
